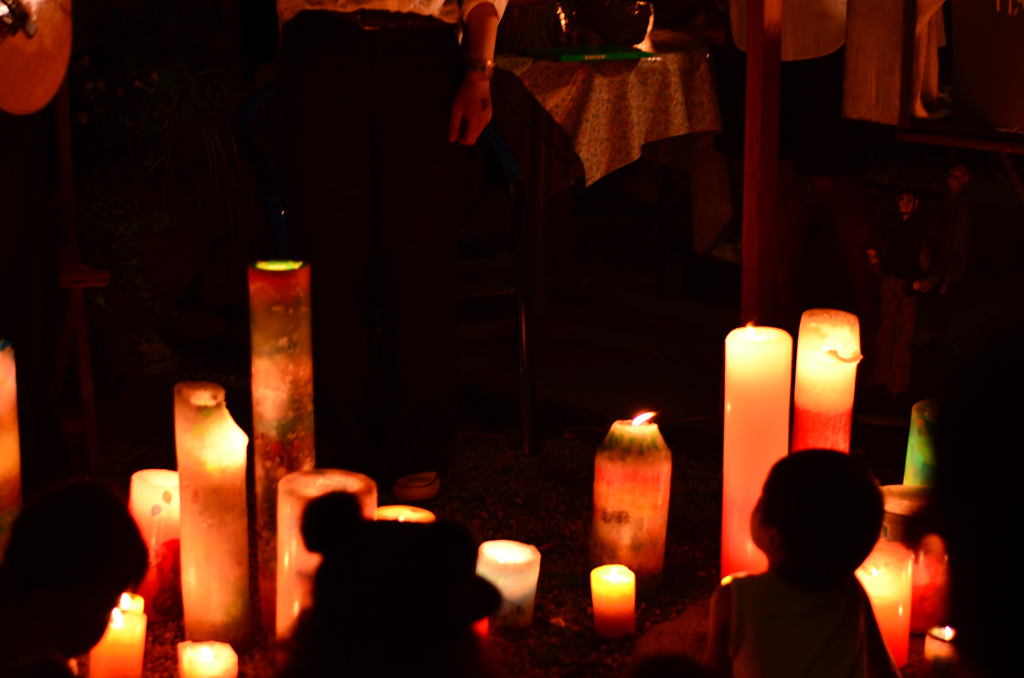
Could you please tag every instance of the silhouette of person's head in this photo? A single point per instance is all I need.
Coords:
(70, 556)
(669, 666)
(390, 599)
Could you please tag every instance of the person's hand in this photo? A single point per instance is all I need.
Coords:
(471, 110)
(930, 282)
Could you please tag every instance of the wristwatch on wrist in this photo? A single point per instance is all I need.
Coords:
(485, 66)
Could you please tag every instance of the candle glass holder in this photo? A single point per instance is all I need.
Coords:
(920, 466)
(887, 576)
(296, 565)
(513, 568)
(211, 452)
(155, 503)
(10, 444)
(827, 354)
(632, 484)
(755, 434)
(282, 399)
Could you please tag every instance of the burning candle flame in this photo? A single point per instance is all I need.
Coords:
(116, 620)
(642, 418)
(205, 654)
(946, 633)
(616, 575)
(751, 333)
(126, 602)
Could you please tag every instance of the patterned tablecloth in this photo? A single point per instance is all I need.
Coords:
(609, 109)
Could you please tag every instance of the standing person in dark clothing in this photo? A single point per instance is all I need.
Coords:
(373, 96)
(902, 265)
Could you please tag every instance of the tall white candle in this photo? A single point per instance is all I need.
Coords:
(214, 519)
(10, 443)
(155, 502)
(756, 434)
(513, 568)
(296, 565)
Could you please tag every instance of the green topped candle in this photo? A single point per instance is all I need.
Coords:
(920, 468)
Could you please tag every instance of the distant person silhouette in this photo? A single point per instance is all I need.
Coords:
(390, 599)
(71, 555)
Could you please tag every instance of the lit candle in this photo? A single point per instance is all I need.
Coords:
(214, 519)
(827, 353)
(886, 576)
(405, 514)
(513, 568)
(10, 445)
(613, 589)
(632, 482)
(154, 501)
(939, 651)
(756, 433)
(482, 629)
(120, 652)
(920, 466)
(206, 660)
(296, 565)
(282, 399)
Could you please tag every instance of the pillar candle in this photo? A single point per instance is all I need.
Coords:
(154, 501)
(827, 353)
(405, 514)
(206, 660)
(939, 651)
(295, 564)
(282, 399)
(10, 444)
(613, 590)
(920, 465)
(632, 481)
(513, 568)
(758, 361)
(211, 451)
(121, 650)
(886, 576)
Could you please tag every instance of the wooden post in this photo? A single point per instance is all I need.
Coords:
(761, 159)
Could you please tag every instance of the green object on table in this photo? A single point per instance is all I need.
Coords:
(587, 53)
(920, 468)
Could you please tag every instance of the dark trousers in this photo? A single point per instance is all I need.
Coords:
(372, 193)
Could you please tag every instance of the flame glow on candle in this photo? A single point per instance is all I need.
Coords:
(640, 419)
(205, 654)
(946, 633)
(116, 618)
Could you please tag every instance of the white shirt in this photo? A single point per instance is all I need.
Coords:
(810, 28)
(450, 11)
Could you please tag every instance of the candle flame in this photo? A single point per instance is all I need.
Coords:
(617, 574)
(205, 654)
(751, 333)
(126, 602)
(642, 418)
(874, 572)
(946, 633)
(116, 620)
(727, 579)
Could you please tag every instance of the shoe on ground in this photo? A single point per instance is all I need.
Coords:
(417, 487)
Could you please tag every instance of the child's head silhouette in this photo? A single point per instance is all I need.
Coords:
(819, 514)
(391, 599)
(71, 554)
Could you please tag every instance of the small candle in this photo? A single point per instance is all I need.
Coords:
(120, 652)
(405, 514)
(282, 399)
(206, 660)
(886, 575)
(10, 444)
(827, 353)
(613, 589)
(155, 502)
(920, 466)
(755, 435)
(632, 484)
(513, 568)
(296, 565)
(939, 651)
(211, 451)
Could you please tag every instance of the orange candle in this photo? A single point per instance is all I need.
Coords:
(405, 514)
(886, 576)
(10, 444)
(939, 652)
(154, 502)
(120, 652)
(214, 519)
(282, 399)
(827, 353)
(756, 434)
(632, 483)
(613, 590)
(206, 660)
